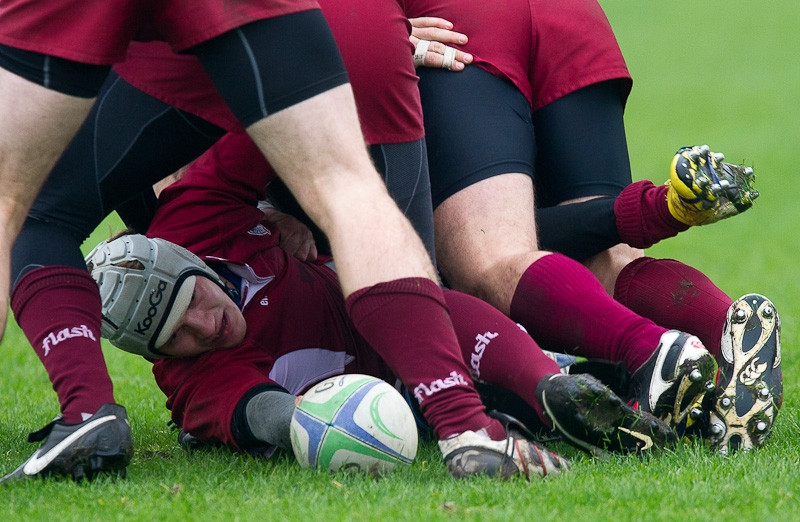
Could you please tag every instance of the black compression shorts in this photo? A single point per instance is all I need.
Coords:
(478, 126)
(65, 76)
(303, 61)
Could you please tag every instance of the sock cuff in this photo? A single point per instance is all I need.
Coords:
(554, 267)
(628, 211)
(626, 276)
(47, 278)
(642, 215)
(371, 298)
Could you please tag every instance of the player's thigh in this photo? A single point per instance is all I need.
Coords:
(255, 67)
(483, 227)
(581, 145)
(293, 112)
(476, 125)
(481, 154)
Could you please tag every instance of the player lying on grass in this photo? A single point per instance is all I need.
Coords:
(135, 136)
(236, 337)
(541, 110)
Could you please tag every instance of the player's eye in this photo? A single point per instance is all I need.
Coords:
(170, 340)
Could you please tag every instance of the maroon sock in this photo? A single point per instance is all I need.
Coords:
(565, 308)
(407, 322)
(643, 217)
(675, 295)
(498, 351)
(58, 308)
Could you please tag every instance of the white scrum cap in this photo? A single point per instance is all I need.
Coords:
(141, 306)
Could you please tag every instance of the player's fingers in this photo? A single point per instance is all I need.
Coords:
(438, 55)
(421, 58)
(302, 254)
(309, 250)
(449, 55)
(303, 246)
(423, 22)
(292, 246)
(436, 30)
(436, 34)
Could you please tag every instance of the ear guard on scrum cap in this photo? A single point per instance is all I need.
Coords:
(142, 305)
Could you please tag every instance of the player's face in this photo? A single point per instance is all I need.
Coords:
(212, 322)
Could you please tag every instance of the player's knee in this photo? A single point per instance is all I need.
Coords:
(607, 265)
(463, 277)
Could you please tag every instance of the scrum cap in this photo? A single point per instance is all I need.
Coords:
(146, 285)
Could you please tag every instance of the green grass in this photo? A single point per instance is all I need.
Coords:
(726, 73)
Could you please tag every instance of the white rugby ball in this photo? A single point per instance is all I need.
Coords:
(353, 421)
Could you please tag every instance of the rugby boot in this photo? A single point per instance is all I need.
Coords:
(749, 386)
(99, 445)
(672, 383)
(473, 453)
(591, 417)
(703, 189)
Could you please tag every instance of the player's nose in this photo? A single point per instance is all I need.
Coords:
(200, 322)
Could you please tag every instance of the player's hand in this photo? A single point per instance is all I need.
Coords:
(430, 36)
(296, 238)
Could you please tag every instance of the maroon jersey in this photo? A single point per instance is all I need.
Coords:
(298, 332)
(98, 31)
(546, 48)
(373, 39)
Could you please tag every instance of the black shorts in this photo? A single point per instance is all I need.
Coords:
(65, 76)
(478, 126)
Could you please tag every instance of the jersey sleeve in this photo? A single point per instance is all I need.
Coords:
(202, 398)
(216, 199)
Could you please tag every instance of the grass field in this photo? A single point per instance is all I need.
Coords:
(726, 73)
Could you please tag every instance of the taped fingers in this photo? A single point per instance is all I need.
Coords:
(449, 57)
(424, 47)
(420, 51)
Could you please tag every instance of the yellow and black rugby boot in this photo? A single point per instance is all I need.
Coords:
(703, 189)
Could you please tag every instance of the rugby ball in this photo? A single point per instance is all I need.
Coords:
(355, 422)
